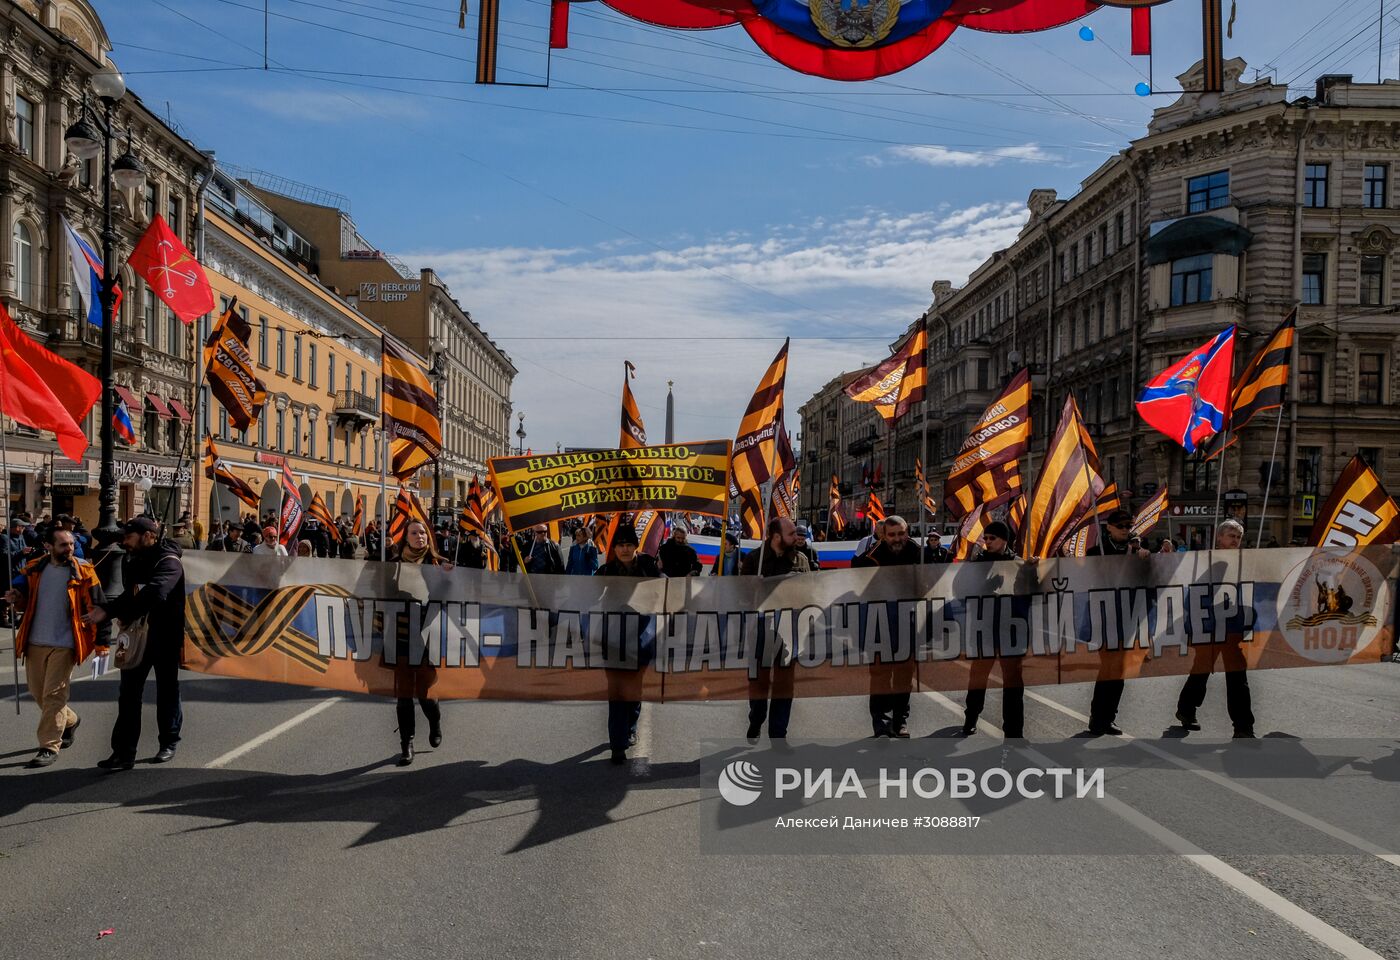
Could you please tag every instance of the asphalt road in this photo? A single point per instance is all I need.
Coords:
(283, 829)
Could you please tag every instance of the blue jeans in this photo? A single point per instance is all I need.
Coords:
(164, 658)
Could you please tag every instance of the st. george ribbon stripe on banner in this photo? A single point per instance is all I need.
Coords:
(689, 477)
(411, 630)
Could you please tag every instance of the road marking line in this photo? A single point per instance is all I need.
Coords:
(1278, 806)
(272, 734)
(1281, 907)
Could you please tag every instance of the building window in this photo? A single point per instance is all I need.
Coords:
(151, 431)
(174, 331)
(1370, 378)
(262, 429)
(296, 357)
(225, 428)
(262, 340)
(152, 324)
(296, 433)
(1314, 278)
(281, 430)
(172, 215)
(1372, 280)
(330, 373)
(311, 440)
(1198, 474)
(364, 382)
(1192, 280)
(362, 448)
(312, 361)
(85, 173)
(1103, 239)
(203, 411)
(1374, 191)
(1064, 272)
(24, 262)
(281, 350)
(1310, 377)
(330, 441)
(1372, 456)
(24, 125)
(1088, 251)
(151, 204)
(1120, 227)
(1210, 191)
(172, 434)
(1309, 469)
(1074, 260)
(1315, 185)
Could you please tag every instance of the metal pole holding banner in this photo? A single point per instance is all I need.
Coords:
(1269, 479)
(922, 490)
(1219, 487)
(383, 509)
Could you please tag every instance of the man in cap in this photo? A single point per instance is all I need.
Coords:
(625, 682)
(1228, 536)
(153, 587)
(804, 546)
(996, 545)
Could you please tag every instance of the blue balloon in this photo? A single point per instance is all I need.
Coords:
(1143, 90)
(1086, 33)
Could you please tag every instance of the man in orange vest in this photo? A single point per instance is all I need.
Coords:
(55, 591)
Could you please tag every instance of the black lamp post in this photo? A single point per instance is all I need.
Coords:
(90, 136)
(520, 435)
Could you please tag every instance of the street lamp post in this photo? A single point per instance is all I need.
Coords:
(520, 435)
(90, 136)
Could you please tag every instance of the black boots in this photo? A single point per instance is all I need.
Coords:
(406, 757)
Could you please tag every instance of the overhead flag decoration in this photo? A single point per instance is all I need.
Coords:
(1066, 490)
(559, 24)
(357, 524)
(1262, 384)
(42, 390)
(228, 366)
(321, 512)
(87, 276)
(987, 469)
(406, 509)
(121, 422)
(215, 469)
(487, 35)
(1151, 512)
(634, 432)
(1359, 512)
(844, 40)
(172, 272)
(1187, 402)
(292, 511)
(875, 508)
(755, 447)
(410, 411)
(894, 386)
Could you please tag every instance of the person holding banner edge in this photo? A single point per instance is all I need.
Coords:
(409, 682)
(1108, 690)
(624, 700)
(996, 545)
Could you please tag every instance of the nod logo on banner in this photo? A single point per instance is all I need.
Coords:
(1331, 606)
(740, 783)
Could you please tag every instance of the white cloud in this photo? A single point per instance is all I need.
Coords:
(935, 156)
(709, 315)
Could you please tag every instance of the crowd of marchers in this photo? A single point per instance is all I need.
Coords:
(64, 617)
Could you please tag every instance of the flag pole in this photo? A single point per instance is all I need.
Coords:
(9, 568)
(1269, 481)
(1219, 488)
(768, 500)
(1088, 480)
(922, 493)
(383, 509)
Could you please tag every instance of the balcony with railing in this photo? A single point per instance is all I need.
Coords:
(355, 409)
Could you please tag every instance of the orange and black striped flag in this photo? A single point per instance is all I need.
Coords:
(755, 448)
(1016, 514)
(634, 432)
(895, 385)
(921, 489)
(875, 508)
(319, 510)
(410, 411)
(215, 469)
(490, 501)
(357, 526)
(1359, 511)
(470, 519)
(1067, 489)
(783, 496)
(970, 533)
(1150, 513)
(406, 509)
(834, 505)
(987, 470)
(1262, 384)
(229, 368)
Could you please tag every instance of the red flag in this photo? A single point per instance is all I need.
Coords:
(44, 391)
(559, 25)
(172, 272)
(1142, 31)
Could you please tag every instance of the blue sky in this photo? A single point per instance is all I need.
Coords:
(675, 198)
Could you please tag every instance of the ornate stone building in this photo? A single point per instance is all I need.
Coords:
(48, 51)
(1231, 209)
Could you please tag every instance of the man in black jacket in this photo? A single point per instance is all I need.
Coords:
(678, 558)
(1108, 688)
(624, 702)
(892, 683)
(996, 545)
(542, 555)
(153, 586)
(770, 686)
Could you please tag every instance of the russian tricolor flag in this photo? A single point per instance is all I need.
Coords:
(87, 275)
(121, 422)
